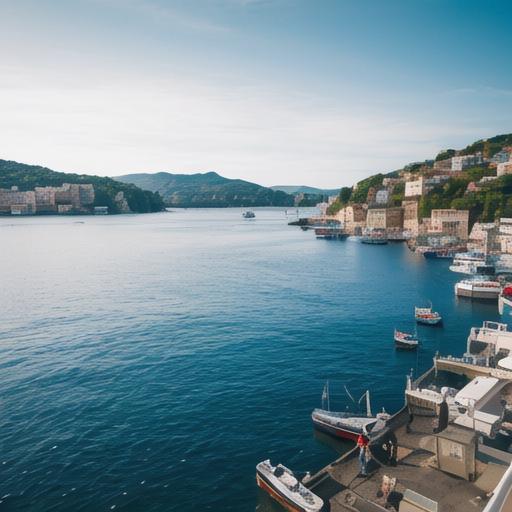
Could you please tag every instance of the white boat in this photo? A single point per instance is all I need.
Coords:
(427, 316)
(405, 341)
(478, 289)
(472, 263)
(374, 237)
(282, 485)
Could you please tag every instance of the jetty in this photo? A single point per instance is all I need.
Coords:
(420, 464)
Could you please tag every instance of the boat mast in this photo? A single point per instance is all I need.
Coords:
(368, 406)
(328, 398)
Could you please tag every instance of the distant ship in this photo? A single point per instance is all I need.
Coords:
(248, 215)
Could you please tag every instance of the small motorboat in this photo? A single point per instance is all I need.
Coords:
(282, 485)
(406, 341)
(427, 316)
(248, 214)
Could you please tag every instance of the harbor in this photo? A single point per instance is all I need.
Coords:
(447, 449)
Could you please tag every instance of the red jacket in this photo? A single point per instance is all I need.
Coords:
(362, 441)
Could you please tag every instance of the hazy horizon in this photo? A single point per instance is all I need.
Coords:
(269, 91)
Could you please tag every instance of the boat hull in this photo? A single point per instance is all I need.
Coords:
(475, 292)
(266, 486)
(427, 321)
(337, 431)
(400, 345)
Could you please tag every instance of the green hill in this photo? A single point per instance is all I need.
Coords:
(303, 189)
(207, 190)
(492, 200)
(26, 177)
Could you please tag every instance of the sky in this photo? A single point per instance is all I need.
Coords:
(279, 92)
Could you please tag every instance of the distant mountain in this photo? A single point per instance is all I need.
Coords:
(26, 177)
(207, 190)
(302, 189)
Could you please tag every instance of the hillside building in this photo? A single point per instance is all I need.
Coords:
(415, 188)
(385, 218)
(353, 218)
(450, 222)
(504, 168)
(459, 163)
(411, 217)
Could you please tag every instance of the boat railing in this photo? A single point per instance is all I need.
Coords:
(467, 359)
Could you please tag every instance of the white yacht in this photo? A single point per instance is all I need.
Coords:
(471, 263)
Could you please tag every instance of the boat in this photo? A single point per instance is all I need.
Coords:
(472, 263)
(347, 425)
(427, 316)
(406, 341)
(478, 289)
(439, 254)
(282, 485)
(330, 233)
(375, 237)
(248, 214)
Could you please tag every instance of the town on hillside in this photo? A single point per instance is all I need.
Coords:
(401, 206)
(70, 198)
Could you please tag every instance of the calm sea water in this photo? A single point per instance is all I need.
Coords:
(149, 362)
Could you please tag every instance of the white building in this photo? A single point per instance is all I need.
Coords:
(382, 196)
(459, 163)
(504, 168)
(415, 188)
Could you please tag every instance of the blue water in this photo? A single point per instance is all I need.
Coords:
(149, 362)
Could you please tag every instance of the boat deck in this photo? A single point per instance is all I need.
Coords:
(415, 470)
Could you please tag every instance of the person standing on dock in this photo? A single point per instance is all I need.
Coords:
(362, 443)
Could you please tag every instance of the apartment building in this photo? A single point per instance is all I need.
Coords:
(450, 222)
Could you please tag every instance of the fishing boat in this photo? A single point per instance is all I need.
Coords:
(347, 425)
(427, 316)
(282, 485)
(406, 341)
(478, 289)
(248, 214)
(505, 301)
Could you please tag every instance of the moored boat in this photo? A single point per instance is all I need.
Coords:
(439, 254)
(282, 485)
(405, 341)
(478, 289)
(472, 263)
(505, 302)
(426, 316)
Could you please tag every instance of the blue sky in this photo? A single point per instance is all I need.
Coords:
(274, 91)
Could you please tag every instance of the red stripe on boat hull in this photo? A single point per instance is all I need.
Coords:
(276, 496)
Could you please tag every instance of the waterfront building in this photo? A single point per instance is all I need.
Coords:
(450, 222)
(68, 198)
(16, 202)
(353, 218)
(411, 217)
(385, 218)
(483, 238)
